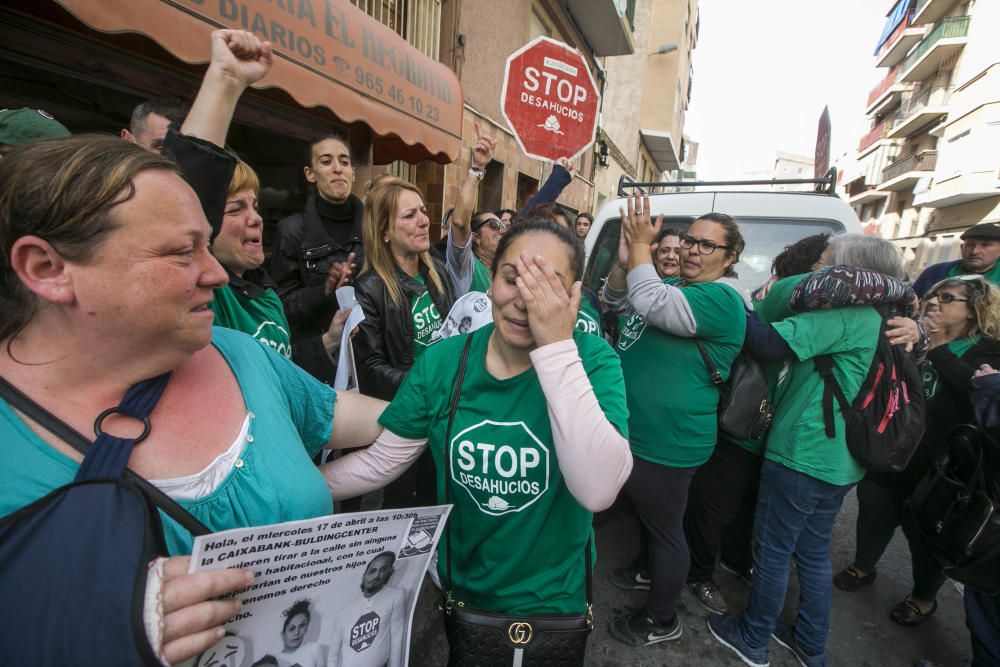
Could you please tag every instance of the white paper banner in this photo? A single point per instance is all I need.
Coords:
(347, 370)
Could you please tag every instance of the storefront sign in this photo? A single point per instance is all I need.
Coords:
(550, 100)
(328, 53)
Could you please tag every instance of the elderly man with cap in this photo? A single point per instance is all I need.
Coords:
(980, 252)
(19, 126)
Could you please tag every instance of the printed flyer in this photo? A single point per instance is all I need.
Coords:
(335, 591)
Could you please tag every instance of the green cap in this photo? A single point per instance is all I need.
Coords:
(19, 126)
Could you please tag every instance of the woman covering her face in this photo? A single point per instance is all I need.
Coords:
(538, 441)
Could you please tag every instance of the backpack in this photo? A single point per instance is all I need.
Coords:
(73, 564)
(884, 424)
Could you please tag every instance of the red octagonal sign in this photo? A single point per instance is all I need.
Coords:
(550, 100)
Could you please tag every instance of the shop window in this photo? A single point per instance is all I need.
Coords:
(491, 189)
(403, 170)
(526, 188)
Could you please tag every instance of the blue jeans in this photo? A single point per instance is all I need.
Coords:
(795, 515)
(982, 616)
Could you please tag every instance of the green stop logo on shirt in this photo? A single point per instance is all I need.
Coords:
(587, 324)
(502, 465)
(274, 336)
(631, 331)
(426, 320)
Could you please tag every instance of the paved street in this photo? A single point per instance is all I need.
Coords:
(862, 634)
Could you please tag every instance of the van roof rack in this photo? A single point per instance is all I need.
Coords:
(826, 185)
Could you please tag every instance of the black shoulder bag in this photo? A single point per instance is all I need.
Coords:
(487, 639)
(745, 412)
(73, 564)
(956, 510)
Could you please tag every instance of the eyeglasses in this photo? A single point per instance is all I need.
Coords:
(705, 246)
(496, 224)
(944, 297)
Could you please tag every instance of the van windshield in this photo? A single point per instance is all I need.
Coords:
(765, 239)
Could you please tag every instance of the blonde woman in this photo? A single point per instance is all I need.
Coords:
(405, 293)
(962, 319)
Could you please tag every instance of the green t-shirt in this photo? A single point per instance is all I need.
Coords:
(771, 308)
(519, 534)
(426, 321)
(588, 320)
(672, 402)
(774, 307)
(263, 318)
(993, 275)
(931, 379)
(797, 438)
(480, 277)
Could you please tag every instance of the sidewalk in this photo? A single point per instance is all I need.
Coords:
(861, 634)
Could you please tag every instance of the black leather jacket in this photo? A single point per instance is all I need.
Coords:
(300, 263)
(383, 346)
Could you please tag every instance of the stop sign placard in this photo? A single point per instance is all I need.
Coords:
(550, 100)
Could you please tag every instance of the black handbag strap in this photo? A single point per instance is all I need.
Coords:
(74, 439)
(713, 373)
(456, 394)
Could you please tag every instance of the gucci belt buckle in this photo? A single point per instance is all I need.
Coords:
(519, 633)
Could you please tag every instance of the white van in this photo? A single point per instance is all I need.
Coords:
(768, 220)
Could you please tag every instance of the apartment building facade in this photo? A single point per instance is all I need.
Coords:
(477, 38)
(928, 167)
(646, 99)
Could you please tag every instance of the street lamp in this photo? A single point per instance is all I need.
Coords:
(664, 49)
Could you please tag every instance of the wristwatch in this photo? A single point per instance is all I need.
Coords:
(478, 172)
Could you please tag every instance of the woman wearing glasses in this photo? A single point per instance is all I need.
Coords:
(487, 230)
(962, 319)
(660, 321)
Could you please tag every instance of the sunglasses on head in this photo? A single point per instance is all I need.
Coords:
(974, 281)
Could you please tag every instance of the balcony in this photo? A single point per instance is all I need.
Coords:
(661, 148)
(606, 31)
(943, 42)
(870, 141)
(903, 174)
(904, 38)
(919, 111)
(930, 11)
(861, 193)
(886, 94)
(965, 186)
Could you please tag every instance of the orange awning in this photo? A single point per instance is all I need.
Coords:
(327, 53)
